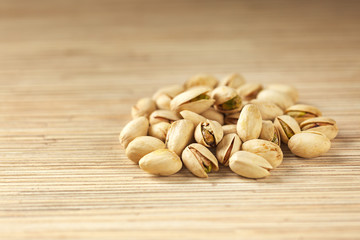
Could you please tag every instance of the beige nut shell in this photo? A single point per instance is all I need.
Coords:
(161, 162)
(201, 80)
(266, 149)
(290, 123)
(215, 128)
(135, 128)
(268, 110)
(141, 146)
(282, 100)
(233, 80)
(324, 125)
(179, 135)
(309, 144)
(230, 144)
(249, 123)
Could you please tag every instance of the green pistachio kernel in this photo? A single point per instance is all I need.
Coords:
(208, 135)
(275, 139)
(200, 97)
(289, 133)
(207, 169)
(231, 104)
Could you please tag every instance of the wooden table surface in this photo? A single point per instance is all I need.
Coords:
(70, 71)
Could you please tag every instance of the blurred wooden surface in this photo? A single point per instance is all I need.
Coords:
(70, 71)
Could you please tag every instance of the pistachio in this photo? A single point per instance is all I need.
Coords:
(212, 114)
(201, 80)
(280, 99)
(208, 133)
(195, 99)
(266, 149)
(143, 108)
(268, 110)
(164, 95)
(233, 80)
(141, 146)
(287, 89)
(309, 144)
(163, 162)
(249, 165)
(287, 127)
(232, 118)
(270, 133)
(193, 117)
(226, 99)
(249, 91)
(227, 129)
(159, 130)
(163, 116)
(249, 123)
(230, 144)
(179, 135)
(302, 112)
(324, 125)
(135, 128)
(199, 160)
(163, 102)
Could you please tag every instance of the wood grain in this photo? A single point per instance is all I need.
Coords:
(70, 70)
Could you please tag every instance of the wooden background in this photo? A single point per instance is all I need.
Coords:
(70, 71)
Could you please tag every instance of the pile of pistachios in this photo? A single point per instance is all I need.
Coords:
(237, 124)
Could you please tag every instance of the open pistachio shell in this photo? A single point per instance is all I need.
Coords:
(141, 146)
(249, 123)
(143, 108)
(201, 80)
(287, 127)
(194, 117)
(302, 112)
(209, 133)
(212, 114)
(270, 133)
(233, 80)
(135, 128)
(249, 91)
(195, 99)
(163, 116)
(159, 130)
(226, 99)
(309, 144)
(163, 162)
(324, 125)
(287, 89)
(268, 110)
(266, 149)
(230, 128)
(280, 99)
(230, 144)
(179, 135)
(199, 160)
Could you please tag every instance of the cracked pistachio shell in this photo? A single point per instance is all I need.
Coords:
(270, 133)
(268, 110)
(324, 125)
(249, 165)
(201, 80)
(163, 162)
(230, 128)
(249, 123)
(196, 99)
(249, 91)
(163, 116)
(208, 133)
(302, 112)
(193, 117)
(287, 127)
(309, 144)
(280, 99)
(266, 149)
(179, 135)
(287, 89)
(226, 100)
(135, 128)
(233, 80)
(232, 118)
(212, 114)
(159, 130)
(230, 144)
(199, 160)
(143, 108)
(141, 146)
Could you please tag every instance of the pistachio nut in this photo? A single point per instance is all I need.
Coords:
(266, 149)
(287, 89)
(141, 146)
(287, 127)
(281, 99)
(196, 99)
(212, 114)
(230, 128)
(230, 144)
(309, 144)
(163, 162)
(135, 128)
(194, 117)
(268, 110)
(159, 130)
(270, 133)
(199, 160)
(163, 102)
(302, 112)
(249, 91)
(209, 133)
(164, 95)
(226, 99)
(179, 135)
(163, 116)
(249, 123)
(249, 165)
(201, 80)
(232, 118)
(233, 80)
(143, 108)
(324, 125)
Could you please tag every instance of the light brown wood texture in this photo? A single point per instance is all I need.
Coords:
(71, 70)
